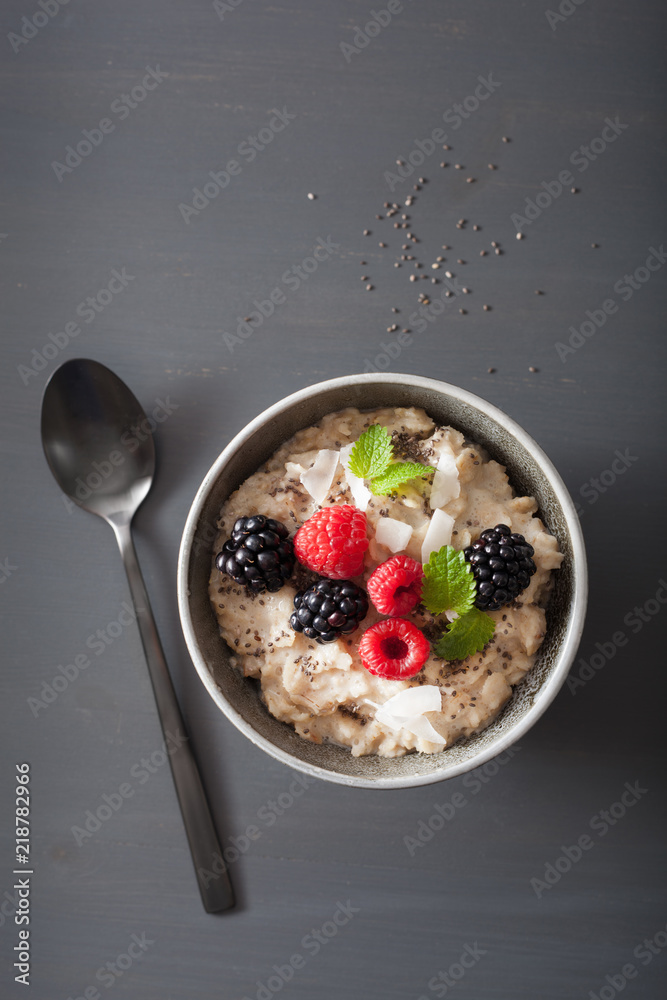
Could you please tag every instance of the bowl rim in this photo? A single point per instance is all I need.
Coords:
(565, 657)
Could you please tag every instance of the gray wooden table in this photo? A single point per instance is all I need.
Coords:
(157, 161)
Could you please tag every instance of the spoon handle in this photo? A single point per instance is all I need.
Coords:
(212, 877)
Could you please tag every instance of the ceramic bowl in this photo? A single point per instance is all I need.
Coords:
(530, 473)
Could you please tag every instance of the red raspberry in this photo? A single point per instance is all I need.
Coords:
(332, 542)
(395, 587)
(394, 648)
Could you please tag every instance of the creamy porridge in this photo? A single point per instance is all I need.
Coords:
(324, 690)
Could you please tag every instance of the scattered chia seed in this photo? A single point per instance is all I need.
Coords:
(311, 196)
(369, 288)
(486, 308)
(519, 236)
(367, 232)
(532, 369)
(491, 370)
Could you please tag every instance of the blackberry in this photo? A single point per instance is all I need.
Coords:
(502, 566)
(259, 555)
(328, 609)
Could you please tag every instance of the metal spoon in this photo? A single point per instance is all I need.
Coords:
(96, 442)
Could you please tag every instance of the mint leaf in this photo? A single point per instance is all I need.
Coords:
(465, 635)
(448, 582)
(396, 475)
(372, 453)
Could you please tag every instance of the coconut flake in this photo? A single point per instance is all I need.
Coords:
(413, 701)
(393, 534)
(319, 476)
(446, 485)
(360, 492)
(422, 728)
(406, 710)
(439, 533)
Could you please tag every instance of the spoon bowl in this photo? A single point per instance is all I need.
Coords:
(92, 433)
(89, 424)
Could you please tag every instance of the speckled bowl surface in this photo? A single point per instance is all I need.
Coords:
(530, 473)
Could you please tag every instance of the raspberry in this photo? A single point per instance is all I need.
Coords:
(394, 648)
(395, 586)
(332, 542)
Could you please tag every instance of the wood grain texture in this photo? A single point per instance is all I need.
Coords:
(192, 283)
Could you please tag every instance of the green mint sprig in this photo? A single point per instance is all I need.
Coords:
(449, 585)
(448, 582)
(396, 475)
(372, 453)
(371, 459)
(465, 635)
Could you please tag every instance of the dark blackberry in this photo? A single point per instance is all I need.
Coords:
(259, 555)
(502, 566)
(328, 609)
